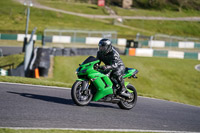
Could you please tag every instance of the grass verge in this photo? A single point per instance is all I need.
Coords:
(16, 59)
(17, 43)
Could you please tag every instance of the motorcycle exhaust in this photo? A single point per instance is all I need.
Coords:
(115, 100)
(110, 100)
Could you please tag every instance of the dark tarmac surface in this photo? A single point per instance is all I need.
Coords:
(45, 107)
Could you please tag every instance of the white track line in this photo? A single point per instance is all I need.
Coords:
(86, 129)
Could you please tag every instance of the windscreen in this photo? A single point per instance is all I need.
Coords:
(89, 59)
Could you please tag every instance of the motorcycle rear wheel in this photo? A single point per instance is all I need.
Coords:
(79, 96)
(132, 102)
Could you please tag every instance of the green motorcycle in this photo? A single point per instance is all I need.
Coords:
(95, 85)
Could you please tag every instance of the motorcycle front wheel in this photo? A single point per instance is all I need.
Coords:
(80, 95)
(130, 103)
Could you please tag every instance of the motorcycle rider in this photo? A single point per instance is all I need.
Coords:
(111, 58)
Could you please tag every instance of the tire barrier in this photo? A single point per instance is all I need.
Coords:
(73, 51)
(40, 62)
(19, 71)
(76, 51)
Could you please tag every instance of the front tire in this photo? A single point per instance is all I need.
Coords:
(131, 102)
(80, 96)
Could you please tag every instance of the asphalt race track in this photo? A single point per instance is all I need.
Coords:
(10, 50)
(48, 107)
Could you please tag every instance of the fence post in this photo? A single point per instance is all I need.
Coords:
(1, 52)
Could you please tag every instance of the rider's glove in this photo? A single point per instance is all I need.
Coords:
(107, 67)
(103, 68)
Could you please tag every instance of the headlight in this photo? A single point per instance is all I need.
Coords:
(83, 71)
(78, 69)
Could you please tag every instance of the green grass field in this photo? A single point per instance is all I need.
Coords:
(13, 19)
(181, 28)
(163, 78)
(94, 9)
(155, 13)
(84, 8)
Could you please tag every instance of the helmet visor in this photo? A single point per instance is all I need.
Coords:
(102, 48)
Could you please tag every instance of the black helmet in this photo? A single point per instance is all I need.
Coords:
(105, 46)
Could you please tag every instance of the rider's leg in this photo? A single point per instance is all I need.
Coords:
(122, 89)
(118, 75)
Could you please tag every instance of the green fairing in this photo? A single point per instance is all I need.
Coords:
(102, 82)
(129, 73)
(103, 89)
(126, 83)
(98, 79)
(88, 67)
(81, 79)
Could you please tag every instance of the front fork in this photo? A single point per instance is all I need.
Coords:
(85, 85)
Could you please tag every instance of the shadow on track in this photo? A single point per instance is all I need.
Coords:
(56, 99)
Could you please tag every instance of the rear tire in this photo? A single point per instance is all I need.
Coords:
(132, 102)
(79, 96)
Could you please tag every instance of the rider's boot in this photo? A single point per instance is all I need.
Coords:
(122, 91)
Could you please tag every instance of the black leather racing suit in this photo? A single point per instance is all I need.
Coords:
(113, 62)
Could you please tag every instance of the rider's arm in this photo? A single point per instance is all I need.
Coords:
(113, 65)
(98, 57)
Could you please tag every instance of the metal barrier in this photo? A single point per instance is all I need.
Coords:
(161, 40)
(169, 38)
(77, 36)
